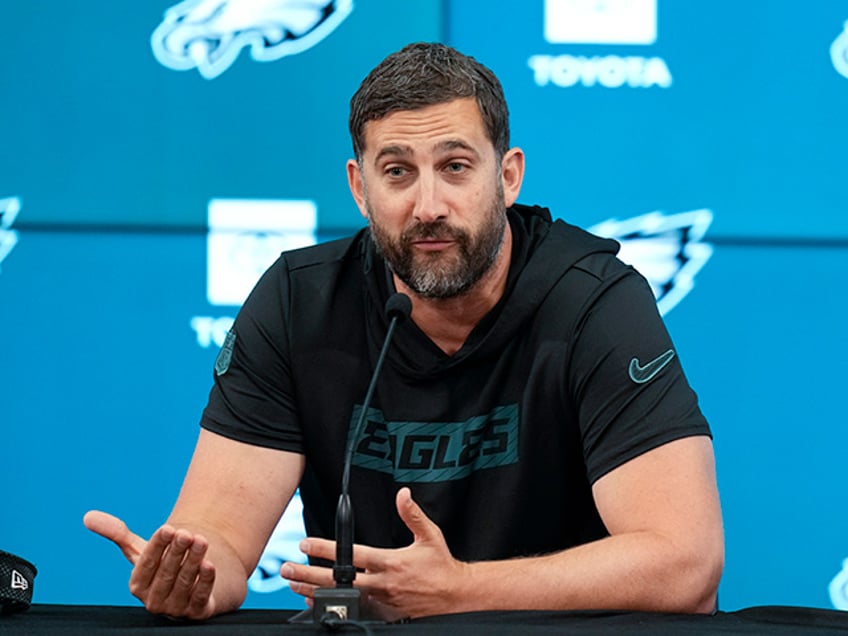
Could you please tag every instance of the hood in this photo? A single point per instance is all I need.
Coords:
(543, 251)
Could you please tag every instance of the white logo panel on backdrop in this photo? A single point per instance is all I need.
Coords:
(593, 22)
(9, 208)
(615, 22)
(245, 238)
(210, 34)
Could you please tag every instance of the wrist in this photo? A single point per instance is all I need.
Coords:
(465, 592)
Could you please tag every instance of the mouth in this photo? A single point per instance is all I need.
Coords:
(432, 245)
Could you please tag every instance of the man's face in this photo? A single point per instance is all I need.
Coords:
(431, 187)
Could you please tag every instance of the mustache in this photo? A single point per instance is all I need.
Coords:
(438, 230)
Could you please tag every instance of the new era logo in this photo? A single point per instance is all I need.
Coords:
(19, 582)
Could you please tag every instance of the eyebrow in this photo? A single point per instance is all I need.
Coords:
(394, 151)
(455, 144)
(443, 146)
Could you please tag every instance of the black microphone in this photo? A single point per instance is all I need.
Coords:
(342, 602)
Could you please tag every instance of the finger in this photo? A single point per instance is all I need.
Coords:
(186, 581)
(306, 590)
(164, 583)
(147, 565)
(304, 579)
(364, 557)
(112, 528)
(422, 528)
(383, 610)
(319, 548)
(369, 583)
(198, 605)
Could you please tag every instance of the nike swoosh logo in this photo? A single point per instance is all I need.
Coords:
(642, 374)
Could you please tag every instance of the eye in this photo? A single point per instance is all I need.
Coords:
(395, 171)
(455, 167)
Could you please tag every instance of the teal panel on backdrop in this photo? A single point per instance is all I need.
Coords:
(115, 331)
(763, 341)
(106, 367)
(98, 131)
(736, 107)
(733, 107)
(104, 379)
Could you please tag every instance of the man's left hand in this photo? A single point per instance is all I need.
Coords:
(419, 580)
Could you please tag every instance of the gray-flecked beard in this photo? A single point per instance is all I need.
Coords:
(438, 274)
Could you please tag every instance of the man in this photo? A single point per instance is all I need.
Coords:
(532, 442)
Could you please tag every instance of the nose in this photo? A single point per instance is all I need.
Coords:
(430, 204)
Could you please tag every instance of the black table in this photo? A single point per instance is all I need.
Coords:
(72, 620)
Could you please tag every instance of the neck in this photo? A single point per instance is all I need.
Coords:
(449, 321)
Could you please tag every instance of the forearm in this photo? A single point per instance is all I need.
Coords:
(637, 569)
(230, 586)
(642, 571)
(233, 495)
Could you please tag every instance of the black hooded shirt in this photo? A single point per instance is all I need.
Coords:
(570, 375)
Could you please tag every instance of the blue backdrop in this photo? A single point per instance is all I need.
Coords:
(139, 201)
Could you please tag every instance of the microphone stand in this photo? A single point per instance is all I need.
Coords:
(342, 603)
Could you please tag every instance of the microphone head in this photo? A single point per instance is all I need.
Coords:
(398, 306)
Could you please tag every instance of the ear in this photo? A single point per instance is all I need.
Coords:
(512, 174)
(356, 185)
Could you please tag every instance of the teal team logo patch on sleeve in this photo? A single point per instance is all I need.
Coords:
(222, 362)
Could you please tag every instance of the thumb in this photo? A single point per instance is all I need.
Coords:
(112, 528)
(423, 529)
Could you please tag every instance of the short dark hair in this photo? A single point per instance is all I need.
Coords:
(424, 74)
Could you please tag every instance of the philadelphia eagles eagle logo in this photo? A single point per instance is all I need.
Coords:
(665, 249)
(209, 34)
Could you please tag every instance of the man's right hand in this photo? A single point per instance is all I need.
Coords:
(171, 574)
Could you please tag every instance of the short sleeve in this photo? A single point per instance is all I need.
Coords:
(627, 379)
(252, 399)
